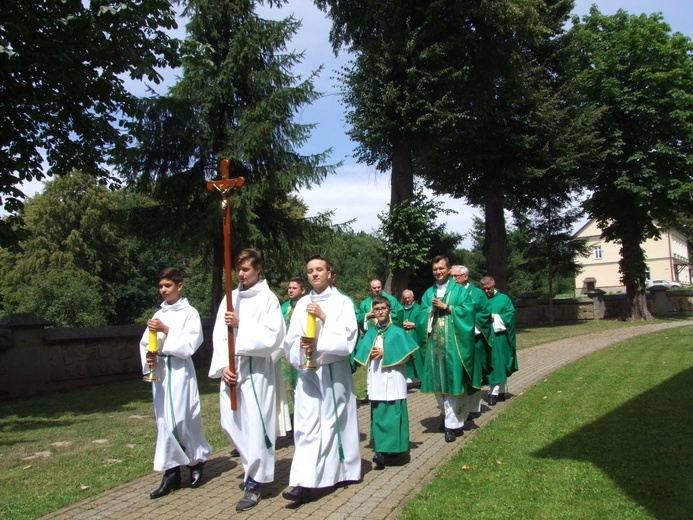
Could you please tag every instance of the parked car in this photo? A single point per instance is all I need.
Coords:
(662, 283)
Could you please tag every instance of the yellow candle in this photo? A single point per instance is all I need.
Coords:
(153, 346)
(310, 326)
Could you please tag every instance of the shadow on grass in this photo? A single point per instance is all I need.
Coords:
(644, 446)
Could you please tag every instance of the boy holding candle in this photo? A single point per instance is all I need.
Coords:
(258, 327)
(326, 432)
(181, 438)
(384, 350)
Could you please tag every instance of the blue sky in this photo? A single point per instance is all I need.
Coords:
(358, 191)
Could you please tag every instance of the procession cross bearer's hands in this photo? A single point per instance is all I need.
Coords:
(230, 378)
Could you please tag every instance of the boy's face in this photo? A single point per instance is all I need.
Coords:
(247, 274)
(318, 275)
(170, 290)
(382, 313)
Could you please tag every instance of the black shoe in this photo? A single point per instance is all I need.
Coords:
(441, 428)
(170, 482)
(379, 459)
(235, 453)
(297, 494)
(450, 435)
(492, 400)
(196, 474)
(501, 396)
(249, 500)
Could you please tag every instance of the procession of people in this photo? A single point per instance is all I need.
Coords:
(457, 340)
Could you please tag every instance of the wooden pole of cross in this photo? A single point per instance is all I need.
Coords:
(224, 187)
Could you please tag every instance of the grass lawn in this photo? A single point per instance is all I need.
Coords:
(608, 436)
(58, 449)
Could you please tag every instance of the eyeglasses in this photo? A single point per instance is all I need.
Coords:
(380, 311)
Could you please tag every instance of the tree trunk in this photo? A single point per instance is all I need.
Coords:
(632, 267)
(401, 189)
(495, 246)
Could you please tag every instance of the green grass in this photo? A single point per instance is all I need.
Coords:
(532, 336)
(58, 449)
(608, 436)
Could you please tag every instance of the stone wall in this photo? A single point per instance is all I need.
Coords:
(36, 358)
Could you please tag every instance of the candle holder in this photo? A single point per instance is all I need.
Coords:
(153, 346)
(151, 377)
(308, 365)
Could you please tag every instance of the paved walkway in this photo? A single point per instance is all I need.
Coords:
(381, 493)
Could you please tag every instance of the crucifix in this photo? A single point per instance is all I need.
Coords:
(224, 187)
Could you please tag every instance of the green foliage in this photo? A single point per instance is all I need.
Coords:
(236, 99)
(62, 66)
(407, 230)
(358, 258)
(641, 77)
(71, 261)
(88, 260)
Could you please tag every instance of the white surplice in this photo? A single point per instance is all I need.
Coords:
(318, 430)
(180, 439)
(258, 342)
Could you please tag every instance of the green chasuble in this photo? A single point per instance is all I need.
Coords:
(504, 345)
(416, 361)
(449, 362)
(366, 306)
(289, 373)
(483, 342)
(397, 346)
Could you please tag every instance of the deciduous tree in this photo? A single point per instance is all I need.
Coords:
(641, 76)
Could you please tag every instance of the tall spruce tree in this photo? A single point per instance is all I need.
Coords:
(236, 99)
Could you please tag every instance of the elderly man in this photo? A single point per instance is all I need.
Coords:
(483, 329)
(410, 311)
(504, 345)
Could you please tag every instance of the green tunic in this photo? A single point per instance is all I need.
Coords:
(483, 342)
(449, 362)
(289, 373)
(415, 364)
(504, 345)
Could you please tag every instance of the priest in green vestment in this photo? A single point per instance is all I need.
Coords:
(446, 328)
(410, 310)
(483, 339)
(384, 349)
(295, 291)
(504, 344)
(364, 313)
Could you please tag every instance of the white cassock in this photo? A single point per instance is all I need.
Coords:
(258, 341)
(318, 430)
(180, 439)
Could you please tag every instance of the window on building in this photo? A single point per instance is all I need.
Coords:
(597, 252)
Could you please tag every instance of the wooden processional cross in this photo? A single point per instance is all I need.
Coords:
(224, 187)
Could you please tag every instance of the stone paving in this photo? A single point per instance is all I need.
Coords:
(379, 495)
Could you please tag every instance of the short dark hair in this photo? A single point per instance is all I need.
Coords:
(171, 273)
(300, 281)
(381, 299)
(442, 258)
